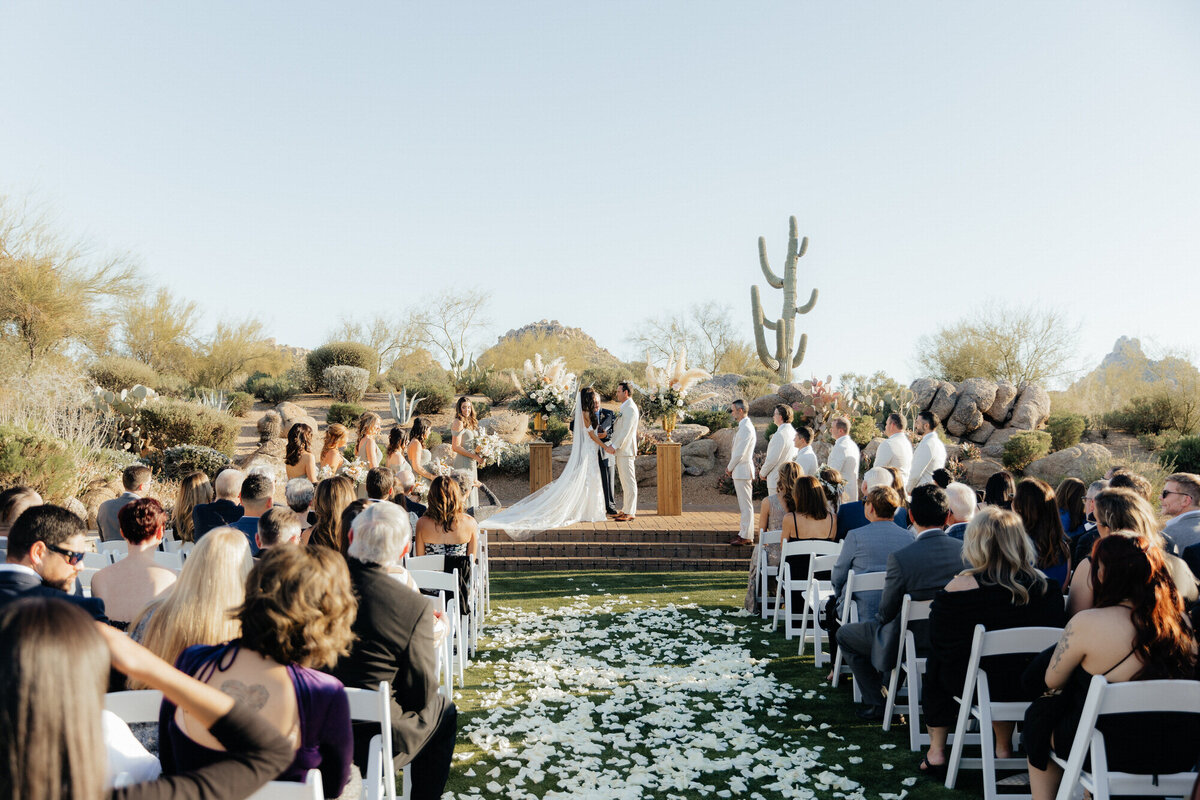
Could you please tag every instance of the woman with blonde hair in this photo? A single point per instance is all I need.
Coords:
(295, 620)
(463, 431)
(332, 497)
(999, 590)
(367, 449)
(197, 610)
(195, 489)
(298, 460)
(331, 448)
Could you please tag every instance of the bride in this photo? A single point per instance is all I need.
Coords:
(575, 496)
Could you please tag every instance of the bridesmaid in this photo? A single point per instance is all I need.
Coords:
(463, 431)
(299, 460)
(367, 450)
(331, 448)
(418, 456)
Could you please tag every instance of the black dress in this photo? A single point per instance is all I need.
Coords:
(952, 622)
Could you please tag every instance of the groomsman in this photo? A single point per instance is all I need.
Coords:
(741, 469)
(623, 447)
(931, 453)
(896, 451)
(845, 458)
(806, 457)
(780, 449)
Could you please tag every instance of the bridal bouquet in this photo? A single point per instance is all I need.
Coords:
(544, 388)
(667, 391)
(355, 470)
(490, 447)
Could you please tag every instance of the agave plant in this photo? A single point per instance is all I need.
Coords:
(213, 398)
(402, 409)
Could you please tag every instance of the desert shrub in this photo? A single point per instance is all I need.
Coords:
(381, 384)
(474, 379)
(272, 391)
(482, 408)
(603, 379)
(556, 431)
(1143, 415)
(39, 461)
(1183, 455)
(347, 384)
(1065, 430)
(344, 413)
(758, 487)
(770, 430)
(239, 403)
(435, 395)
(1023, 449)
(751, 387)
(116, 373)
(712, 418)
(334, 354)
(863, 429)
(169, 423)
(174, 463)
(499, 390)
(433, 440)
(514, 461)
(172, 386)
(1157, 442)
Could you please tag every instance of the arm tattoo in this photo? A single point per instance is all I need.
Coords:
(1063, 644)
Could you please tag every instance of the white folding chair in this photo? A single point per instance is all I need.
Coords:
(913, 667)
(427, 563)
(975, 703)
(789, 583)
(855, 584)
(96, 560)
(169, 560)
(815, 597)
(1129, 697)
(185, 549)
(172, 545)
(85, 580)
(485, 576)
(116, 550)
(448, 583)
(766, 571)
(375, 705)
(311, 789)
(141, 705)
(445, 657)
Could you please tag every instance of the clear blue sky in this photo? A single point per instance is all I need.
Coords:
(603, 162)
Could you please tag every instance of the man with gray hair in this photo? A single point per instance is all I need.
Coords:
(299, 494)
(224, 510)
(1081, 547)
(277, 526)
(394, 641)
(963, 503)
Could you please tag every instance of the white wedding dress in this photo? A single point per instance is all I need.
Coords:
(575, 496)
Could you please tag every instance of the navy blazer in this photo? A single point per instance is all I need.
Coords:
(207, 516)
(249, 526)
(17, 584)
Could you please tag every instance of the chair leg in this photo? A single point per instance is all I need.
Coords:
(987, 747)
(889, 707)
(960, 738)
(914, 707)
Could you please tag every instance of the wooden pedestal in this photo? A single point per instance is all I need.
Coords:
(540, 472)
(670, 480)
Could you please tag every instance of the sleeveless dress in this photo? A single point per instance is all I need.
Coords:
(468, 465)
(457, 558)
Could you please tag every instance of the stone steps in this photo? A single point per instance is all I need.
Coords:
(631, 550)
(615, 562)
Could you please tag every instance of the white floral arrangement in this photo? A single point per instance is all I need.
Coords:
(324, 472)
(668, 390)
(355, 470)
(439, 469)
(544, 388)
(489, 447)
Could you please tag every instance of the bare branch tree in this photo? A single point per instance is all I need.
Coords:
(450, 323)
(390, 339)
(707, 331)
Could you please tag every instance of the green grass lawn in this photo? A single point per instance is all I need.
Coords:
(626, 685)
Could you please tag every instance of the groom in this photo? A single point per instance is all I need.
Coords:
(623, 446)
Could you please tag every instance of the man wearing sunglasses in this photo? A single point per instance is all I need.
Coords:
(1181, 505)
(45, 553)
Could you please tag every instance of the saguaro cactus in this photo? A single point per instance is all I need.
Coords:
(783, 362)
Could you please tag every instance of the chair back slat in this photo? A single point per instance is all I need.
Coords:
(1013, 641)
(770, 537)
(136, 706)
(427, 563)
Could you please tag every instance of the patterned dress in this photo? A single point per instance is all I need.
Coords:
(468, 465)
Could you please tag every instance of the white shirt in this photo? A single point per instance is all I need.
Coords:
(19, 568)
(780, 450)
(807, 459)
(930, 456)
(741, 459)
(845, 458)
(896, 451)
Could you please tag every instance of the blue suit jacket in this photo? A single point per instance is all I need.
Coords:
(866, 549)
(249, 526)
(207, 516)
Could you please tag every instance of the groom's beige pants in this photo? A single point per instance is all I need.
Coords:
(628, 476)
(742, 488)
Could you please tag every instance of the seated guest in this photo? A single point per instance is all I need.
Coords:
(867, 549)
(1125, 511)
(394, 641)
(831, 484)
(448, 530)
(198, 608)
(805, 456)
(897, 478)
(999, 490)
(45, 553)
(135, 581)
(770, 518)
(808, 519)
(1070, 496)
(942, 477)
(1136, 631)
(1181, 506)
(381, 484)
(296, 618)
(13, 502)
(963, 504)
(136, 480)
(194, 490)
(852, 514)
(299, 494)
(223, 511)
(351, 513)
(277, 526)
(1081, 548)
(921, 569)
(332, 497)
(1122, 478)
(298, 460)
(1000, 589)
(258, 495)
(1034, 503)
(54, 664)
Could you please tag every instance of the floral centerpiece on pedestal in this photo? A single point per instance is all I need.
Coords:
(546, 390)
(666, 394)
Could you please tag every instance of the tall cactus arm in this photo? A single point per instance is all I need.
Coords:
(760, 338)
(807, 307)
(803, 346)
(772, 278)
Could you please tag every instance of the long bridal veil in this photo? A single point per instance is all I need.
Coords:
(575, 496)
